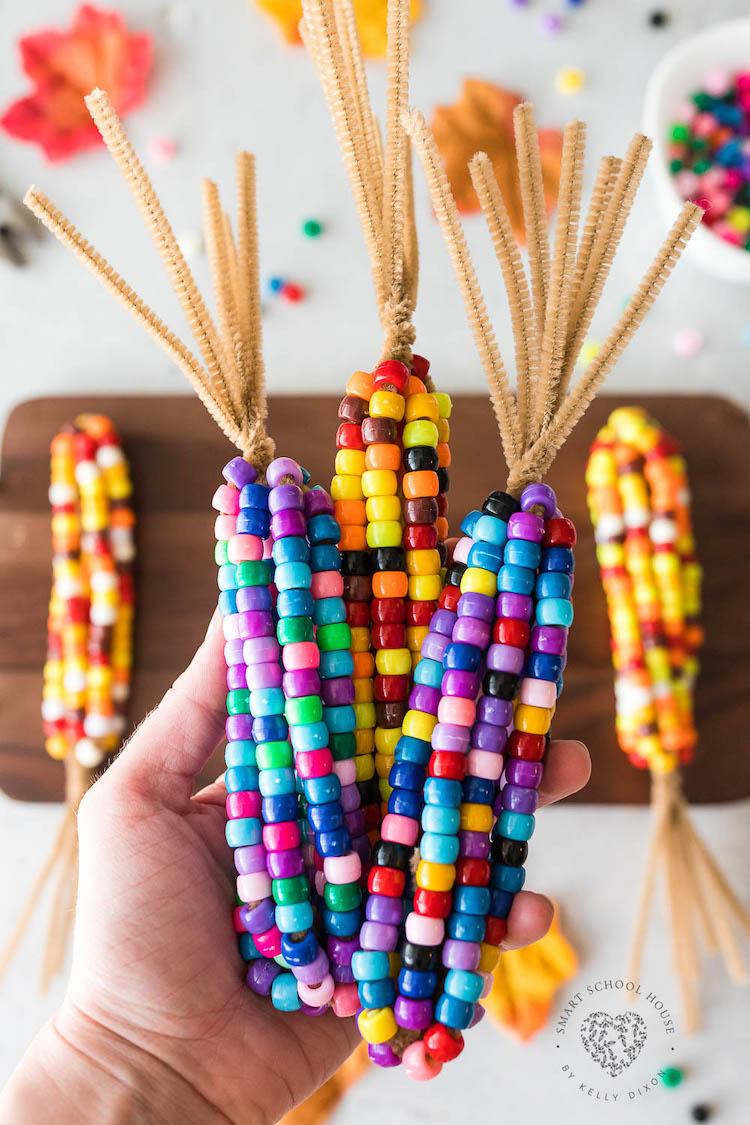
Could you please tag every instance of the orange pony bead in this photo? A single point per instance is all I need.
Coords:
(353, 538)
(383, 455)
(390, 584)
(361, 385)
(421, 483)
(350, 513)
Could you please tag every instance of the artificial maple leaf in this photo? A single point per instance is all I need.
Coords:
(526, 980)
(64, 66)
(481, 120)
(371, 21)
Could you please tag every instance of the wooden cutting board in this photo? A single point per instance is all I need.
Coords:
(176, 454)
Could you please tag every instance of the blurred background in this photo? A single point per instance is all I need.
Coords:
(223, 77)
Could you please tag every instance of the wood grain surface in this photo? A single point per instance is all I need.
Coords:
(176, 454)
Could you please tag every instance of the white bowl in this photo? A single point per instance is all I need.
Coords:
(682, 70)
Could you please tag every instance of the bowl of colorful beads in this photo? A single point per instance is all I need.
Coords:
(697, 110)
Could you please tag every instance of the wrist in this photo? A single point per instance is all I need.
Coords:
(87, 1072)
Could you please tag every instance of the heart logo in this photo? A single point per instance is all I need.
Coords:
(614, 1042)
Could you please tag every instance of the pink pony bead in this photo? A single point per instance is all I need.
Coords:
(346, 771)
(418, 1064)
(454, 709)
(538, 693)
(231, 627)
(261, 650)
(300, 654)
(254, 887)
(226, 500)
(327, 584)
(314, 763)
(234, 652)
(269, 943)
(245, 548)
(281, 837)
(345, 1000)
(423, 930)
(225, 527)
(462, 548)
(398, 829)
(242, 804)
(317, 996)
(342, 868)
(481, 763)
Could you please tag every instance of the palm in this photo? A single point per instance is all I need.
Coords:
(158, 959)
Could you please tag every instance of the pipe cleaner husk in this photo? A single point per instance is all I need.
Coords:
(89, 649)
(639, 501)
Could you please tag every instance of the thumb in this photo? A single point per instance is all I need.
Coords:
(175, 741)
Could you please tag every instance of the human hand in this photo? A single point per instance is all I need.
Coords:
(157, 1011)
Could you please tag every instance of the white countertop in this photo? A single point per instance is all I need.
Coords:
(223, 80)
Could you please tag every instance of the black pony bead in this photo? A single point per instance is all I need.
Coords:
(420, 457)
(501, 504)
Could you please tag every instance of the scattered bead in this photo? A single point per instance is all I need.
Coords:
(570, 80)
(671, 1077)
(551, 23)
(162, 149)
(659, 18)
(312, 228)
(688, 342)
(589, 351)
(701, 1112)
(275, 285)
(191, 244)
(292, 292)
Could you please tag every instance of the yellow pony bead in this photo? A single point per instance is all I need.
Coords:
(377, 1025)
(364, 714)
(384, 533)
(393, 661)
(350, 462)
(435, 876)
(489, 955)
(346, 488)
(444, 431)
(421, 406)
(425, 587)
(364, 691)
(383, 763)
(418, 724)
(387, 404)
(364, 741)
(386, 739)
(476, 580)
(422, 432)
(415, 635)
(382, 509)
(476, 818)
(379, 482)
(360, 641)
(384, 789)
(364, 766)
(533, 720)
(444, 404)
(423, 562)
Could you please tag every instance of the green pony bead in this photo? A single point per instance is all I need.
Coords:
(342, 745)
(221, 552)
(238, 702)
(307, 709)
(291, 890)
(291, 630)
(342, 896)
(254, 573)
(337, 635)
(274, 755)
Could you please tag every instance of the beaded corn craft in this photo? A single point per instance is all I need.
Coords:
(89, 640)
(89, 658)
(639, 501)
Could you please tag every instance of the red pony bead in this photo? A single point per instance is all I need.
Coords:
(388, 611)
(420, 537)
(528, 747)
(559, 532)
(420, 613)
(510, 631)
(349, 436)
(420, 366)
(357, 614)
(386, 881)
(432, 904)
(449, 598)
(389, 688)
(388, 636)
(495, 930)
(392, 373)
(448, 763)
(472, 872)
(442, 1043)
